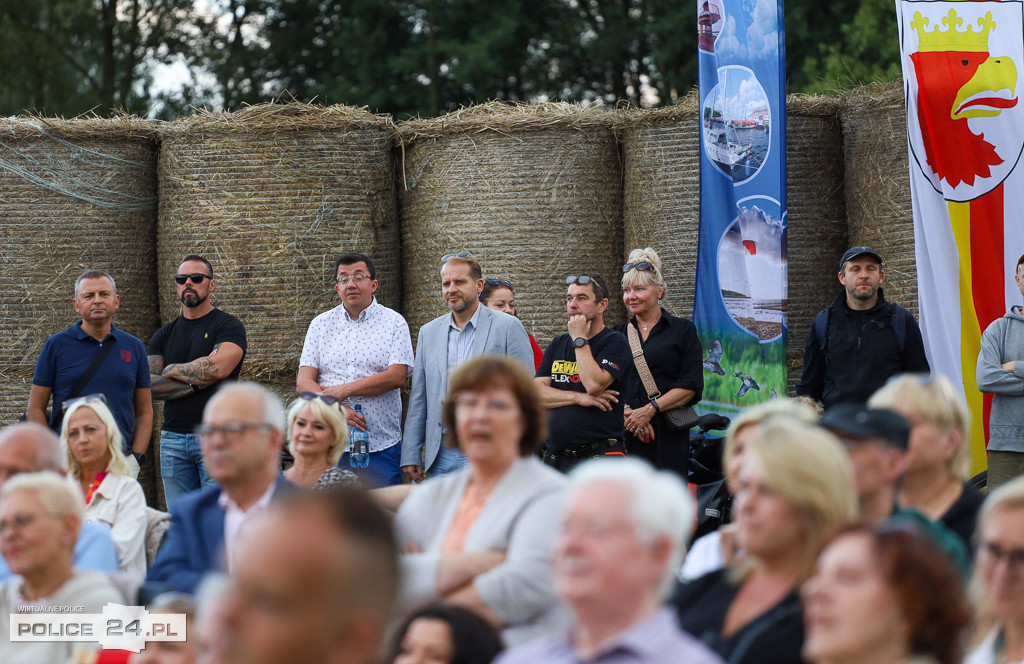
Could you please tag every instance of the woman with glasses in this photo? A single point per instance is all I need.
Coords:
(499, 295)
(92, 444)
(40, 518)
(673, 355)
(884, 596)
(481, 537)
(317, 436)
(997, 588)
(935, 482)
(795, 491)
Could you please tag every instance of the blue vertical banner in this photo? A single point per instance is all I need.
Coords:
(740, 302)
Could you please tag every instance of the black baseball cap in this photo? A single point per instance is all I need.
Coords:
(854, 420)
(853, 252)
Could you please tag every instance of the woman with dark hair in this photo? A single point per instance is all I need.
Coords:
(885, 596)
(499, 295)
(481, 537)
(445, 634)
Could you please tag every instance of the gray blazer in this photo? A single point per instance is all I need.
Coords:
(521, 518)
(497, 334)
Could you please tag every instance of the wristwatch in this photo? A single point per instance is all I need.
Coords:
(580, 342)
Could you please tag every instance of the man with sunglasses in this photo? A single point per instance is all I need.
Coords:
(579, 379)
(94, 357)
(467, 331)
(360, 352)
(188, 359)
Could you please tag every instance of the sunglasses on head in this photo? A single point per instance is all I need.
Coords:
(499, 282)
(460, 254)
(88, 398)
(578, 279)
(313, 396)
(196, 277)
(641, 266)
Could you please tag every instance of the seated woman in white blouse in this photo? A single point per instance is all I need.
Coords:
(92, 443)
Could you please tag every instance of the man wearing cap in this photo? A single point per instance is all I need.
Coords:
(860, 340)
(1000, 373)
(876, 440)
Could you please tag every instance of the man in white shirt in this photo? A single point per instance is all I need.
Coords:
(361, 353)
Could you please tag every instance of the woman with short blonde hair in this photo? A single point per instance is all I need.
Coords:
(935, 482)
(317, 436)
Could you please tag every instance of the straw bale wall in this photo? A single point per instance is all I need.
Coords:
(74, 195)
(534, 192)
(271, 195)
(878, 205)
(816, 226)
(661, 192)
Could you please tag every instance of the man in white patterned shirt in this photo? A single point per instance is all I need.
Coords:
(361, 353)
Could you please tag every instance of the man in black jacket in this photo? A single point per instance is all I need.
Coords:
(860, 340)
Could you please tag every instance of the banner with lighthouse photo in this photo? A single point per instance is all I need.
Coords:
(965, 131)
(741, 294)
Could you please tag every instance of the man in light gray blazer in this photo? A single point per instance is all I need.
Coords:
(443, 344)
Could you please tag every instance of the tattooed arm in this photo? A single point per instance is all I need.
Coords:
(166, 389)
(204, 371)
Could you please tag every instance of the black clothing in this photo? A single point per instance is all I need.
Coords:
(184, 340)
(673, 353)
(861, 353)
(962, 516)
(774, 637)
(574, 426)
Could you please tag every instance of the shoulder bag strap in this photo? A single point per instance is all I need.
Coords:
(91, 371)
(640, 363)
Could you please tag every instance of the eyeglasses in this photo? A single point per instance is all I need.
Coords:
(313, 396)
(354, 278)
(641, 266)
(1014, 557)
(578, 279)
(499, 282)
(18, 522)
(196, 277)
(88, 398)
(460, 254)
(232, 431)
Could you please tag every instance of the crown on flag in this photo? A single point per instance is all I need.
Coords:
(950, 38)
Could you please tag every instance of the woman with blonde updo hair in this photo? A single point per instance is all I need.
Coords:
(935, 482)
(673, 355)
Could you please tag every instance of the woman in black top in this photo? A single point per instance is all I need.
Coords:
(673, 354)
(795, 491)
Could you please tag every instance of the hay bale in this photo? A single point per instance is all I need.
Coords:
(271, 195)
(74, 195)
(13, 400)
(533, 191)
(816, 226)
(878, 204)
(661, 192)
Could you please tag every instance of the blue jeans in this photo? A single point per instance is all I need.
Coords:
(448, 460)
(384, 469)
(181, 465)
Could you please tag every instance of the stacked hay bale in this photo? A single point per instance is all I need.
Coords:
(74, 195)
(533, 191)
(816, 226)
(271, 195)
(878, 205)
(661, 192)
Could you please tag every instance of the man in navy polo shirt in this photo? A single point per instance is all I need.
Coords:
(122, 377)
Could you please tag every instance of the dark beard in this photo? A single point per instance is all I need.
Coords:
(191, 300)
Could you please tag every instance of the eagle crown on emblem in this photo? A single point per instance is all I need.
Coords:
(951, 39)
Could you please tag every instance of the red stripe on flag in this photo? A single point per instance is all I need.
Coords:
(987, 264)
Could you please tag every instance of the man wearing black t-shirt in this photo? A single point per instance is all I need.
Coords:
(188, 358)
(579, 379)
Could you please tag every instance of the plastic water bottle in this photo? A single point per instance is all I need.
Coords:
(359, 445)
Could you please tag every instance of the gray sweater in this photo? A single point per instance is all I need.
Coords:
(1003, 341)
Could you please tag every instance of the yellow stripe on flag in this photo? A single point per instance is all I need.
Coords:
(970, 335)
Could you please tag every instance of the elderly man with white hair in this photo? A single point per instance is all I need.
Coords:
(621, 541)
(241, 438)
